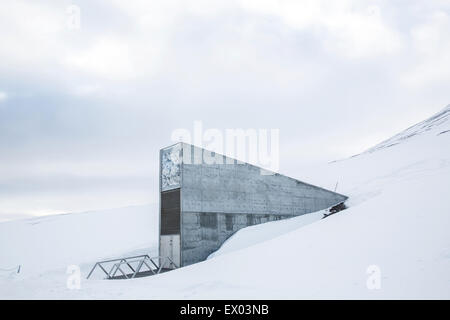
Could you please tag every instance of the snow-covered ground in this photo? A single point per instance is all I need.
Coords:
(394, 236)
(46, 243)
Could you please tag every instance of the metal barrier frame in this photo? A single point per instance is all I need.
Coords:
(120, 263)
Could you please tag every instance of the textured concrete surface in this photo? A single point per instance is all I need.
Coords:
(219, 199)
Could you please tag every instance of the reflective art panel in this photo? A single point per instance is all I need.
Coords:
(171, 168)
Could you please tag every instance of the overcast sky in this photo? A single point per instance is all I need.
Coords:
(84, 111)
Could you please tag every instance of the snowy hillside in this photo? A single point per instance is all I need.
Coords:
(395, 229)
(437, 124)
(50, 242)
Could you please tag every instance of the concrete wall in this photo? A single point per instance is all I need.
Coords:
(219, 199)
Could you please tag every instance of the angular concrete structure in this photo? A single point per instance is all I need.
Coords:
(206, 197)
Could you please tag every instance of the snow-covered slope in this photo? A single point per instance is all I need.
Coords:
(437, 124)
(420, 149)
(396, 229)
(263, 232)
(46, 243)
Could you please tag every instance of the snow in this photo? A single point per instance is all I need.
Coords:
(45, 243)
(259, 233)
(397, 223)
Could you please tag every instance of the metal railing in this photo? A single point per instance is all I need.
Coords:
(137, 265)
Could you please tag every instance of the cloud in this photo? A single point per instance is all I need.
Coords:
(107, 58)
(431, 44)
(345, 27)
(3, 96)
(30, 34)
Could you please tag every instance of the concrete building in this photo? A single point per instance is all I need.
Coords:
(206, 197)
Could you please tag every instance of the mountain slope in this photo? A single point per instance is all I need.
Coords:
(437, 124)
